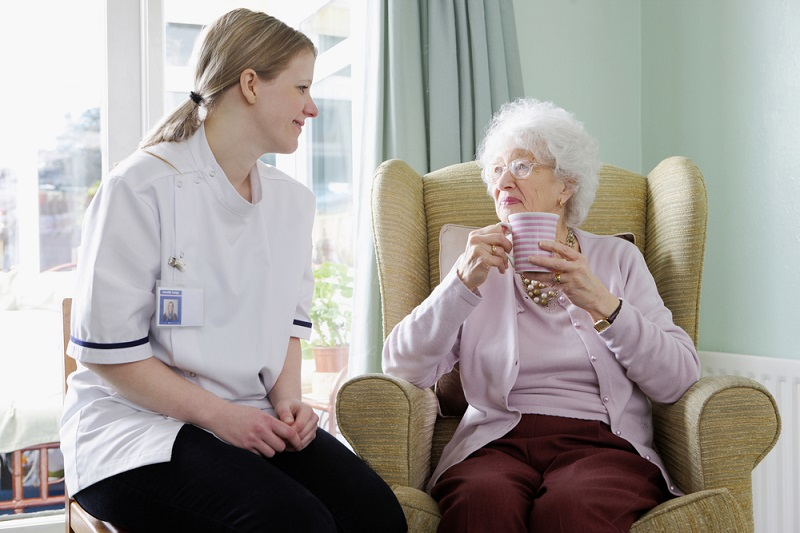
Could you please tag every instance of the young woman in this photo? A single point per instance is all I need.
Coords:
(197, 423)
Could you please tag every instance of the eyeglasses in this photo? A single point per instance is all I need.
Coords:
(519, 168)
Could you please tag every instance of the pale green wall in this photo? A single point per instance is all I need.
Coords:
(585, 56)
(717, 81)
(721, 85)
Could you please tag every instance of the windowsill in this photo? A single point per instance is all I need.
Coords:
(44, 522)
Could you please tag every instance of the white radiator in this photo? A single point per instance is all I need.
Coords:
(776, 480)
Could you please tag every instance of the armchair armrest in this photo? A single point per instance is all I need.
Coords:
(389, 423)
(715, 435)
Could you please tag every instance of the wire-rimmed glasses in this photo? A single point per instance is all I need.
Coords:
(519, 168)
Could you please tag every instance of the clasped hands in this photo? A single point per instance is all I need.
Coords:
(254, 430)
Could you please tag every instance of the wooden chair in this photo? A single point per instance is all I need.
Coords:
(19, 502)
(710, 440)
(77, 520)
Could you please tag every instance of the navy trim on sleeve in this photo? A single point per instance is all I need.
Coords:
(109, 346)
(301, 323)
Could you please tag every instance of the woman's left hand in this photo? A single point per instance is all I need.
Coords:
(300, 417)
(573, 276)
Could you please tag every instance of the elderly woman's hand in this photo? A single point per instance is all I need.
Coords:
(572, 274)
(486, 248)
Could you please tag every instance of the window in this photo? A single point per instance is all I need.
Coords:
(50, 150)
(79, 100)
(50, 164)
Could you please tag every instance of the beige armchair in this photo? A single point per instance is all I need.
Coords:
(711, 439)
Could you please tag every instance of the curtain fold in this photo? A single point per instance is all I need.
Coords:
(436, 71)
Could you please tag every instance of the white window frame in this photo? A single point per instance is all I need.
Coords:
(125, 118)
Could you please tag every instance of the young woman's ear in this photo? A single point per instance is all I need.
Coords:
(247, 83)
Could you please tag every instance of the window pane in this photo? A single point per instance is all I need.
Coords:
(329, 26)
(180, 39)
(50, 136)
(9, 232)
(69, 172)
(332, 169)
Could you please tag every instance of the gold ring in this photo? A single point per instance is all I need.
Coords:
(494, 249)
(558, 278)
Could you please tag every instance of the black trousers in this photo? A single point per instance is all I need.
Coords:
(210, 485)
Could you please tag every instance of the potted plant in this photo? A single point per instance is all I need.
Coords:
(330, 312)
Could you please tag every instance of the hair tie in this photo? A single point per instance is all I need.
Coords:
(196, 98)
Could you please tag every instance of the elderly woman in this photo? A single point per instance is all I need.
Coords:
(558, 433)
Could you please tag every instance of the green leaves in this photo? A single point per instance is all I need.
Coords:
(331, 309)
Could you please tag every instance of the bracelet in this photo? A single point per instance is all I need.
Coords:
(613, 316)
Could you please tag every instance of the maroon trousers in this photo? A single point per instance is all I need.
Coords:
(550, 474)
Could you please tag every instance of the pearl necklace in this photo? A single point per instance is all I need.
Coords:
(537, 290)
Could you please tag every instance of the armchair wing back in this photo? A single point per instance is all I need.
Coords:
(396, 427)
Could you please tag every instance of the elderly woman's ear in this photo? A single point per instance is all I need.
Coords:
(566, 194)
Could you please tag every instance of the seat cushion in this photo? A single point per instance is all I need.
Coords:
(710, 511)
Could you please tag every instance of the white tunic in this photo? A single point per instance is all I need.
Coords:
(251, 260)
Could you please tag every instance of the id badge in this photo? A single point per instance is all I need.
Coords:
(180, 307)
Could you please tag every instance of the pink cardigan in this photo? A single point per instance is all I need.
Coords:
(643, 354)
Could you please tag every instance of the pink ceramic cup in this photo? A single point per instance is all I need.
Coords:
(527, 229)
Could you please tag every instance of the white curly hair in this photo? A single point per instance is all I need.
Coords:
(554, 137)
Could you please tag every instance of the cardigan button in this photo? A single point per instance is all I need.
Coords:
(593, 359)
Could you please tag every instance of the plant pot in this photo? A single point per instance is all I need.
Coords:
(330, 358)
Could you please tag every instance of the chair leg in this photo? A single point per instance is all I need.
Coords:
(67, 511)
(332, 421)
(17, 478)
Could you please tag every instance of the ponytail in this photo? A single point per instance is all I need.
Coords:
(178, 126)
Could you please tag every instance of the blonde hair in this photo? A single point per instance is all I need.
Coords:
(236, 41)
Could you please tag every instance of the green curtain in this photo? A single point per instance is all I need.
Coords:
(435, 72)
